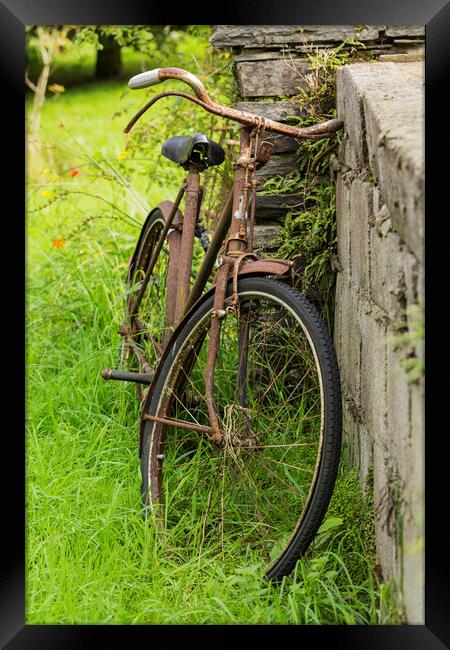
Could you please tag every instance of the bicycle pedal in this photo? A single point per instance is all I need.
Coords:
(136, 377)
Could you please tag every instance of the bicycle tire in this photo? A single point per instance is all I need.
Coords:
(169, 453)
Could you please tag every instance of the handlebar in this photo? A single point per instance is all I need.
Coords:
(158, 75)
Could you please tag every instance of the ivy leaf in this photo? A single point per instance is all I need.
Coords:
(329, 524)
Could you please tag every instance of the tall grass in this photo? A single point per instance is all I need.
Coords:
(90, 557)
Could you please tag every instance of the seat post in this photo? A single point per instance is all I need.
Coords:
(192, 205)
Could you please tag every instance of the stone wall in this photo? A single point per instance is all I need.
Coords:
(380, 289)
(380, 283)
(270, 62)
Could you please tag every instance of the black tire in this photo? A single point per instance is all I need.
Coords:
(277, 317)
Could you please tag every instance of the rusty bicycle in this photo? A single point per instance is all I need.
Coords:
(240, 428)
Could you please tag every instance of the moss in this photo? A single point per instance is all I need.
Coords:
(358, 522)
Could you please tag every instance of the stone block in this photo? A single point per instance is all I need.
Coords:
(413, 278)
(365, 455)
(387, 287)
(265, 237)
(385, 484)
(269, 78)
(343, 222)
(348, 156)
(406, 425)
(360, 203)
(397, 403)
(390, 99)
(350, 350)
(405, 30)
(414, 529)
(281, 143)
(269, 36)
(278, 165)
(275, 206)
(350, 436)
(349, 109)
(373, 377)
(338, 322)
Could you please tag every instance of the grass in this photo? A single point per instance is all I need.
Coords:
(90, 558)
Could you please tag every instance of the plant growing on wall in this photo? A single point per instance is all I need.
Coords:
(309, 231)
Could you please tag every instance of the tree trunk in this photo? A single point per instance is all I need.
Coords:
(109, 62)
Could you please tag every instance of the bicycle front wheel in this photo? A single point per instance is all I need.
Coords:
(259, 497)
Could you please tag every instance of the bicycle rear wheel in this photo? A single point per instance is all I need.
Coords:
(260, 497)
(145, 323)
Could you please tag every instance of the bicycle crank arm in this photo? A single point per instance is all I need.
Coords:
(137, 377)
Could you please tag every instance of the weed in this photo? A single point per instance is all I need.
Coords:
(309, 231)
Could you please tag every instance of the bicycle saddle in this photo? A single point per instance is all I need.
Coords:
(197, 148)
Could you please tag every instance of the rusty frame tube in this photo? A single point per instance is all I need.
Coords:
(177, 423)
(238, 231)
(213, 346)
(251, 225)
(193, 194)
(136, 377)
(313, 132)
(174, 243)
(217, 242)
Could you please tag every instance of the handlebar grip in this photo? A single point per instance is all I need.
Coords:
(145, 79)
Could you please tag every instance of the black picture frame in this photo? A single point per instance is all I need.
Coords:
(435, 15)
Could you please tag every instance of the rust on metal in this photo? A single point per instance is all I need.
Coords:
(263, 153)
(174, 244)
(213, 249)
(193, 194)
(313, 132)
(173, 211)
(137, 377)
(188, 78)
(267, 266)
(213, 346)
(251, 225)
(237, 220)
(237, 240)
(177, 423)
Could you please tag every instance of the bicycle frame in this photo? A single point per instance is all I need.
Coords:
(236, 247)
(231, 235)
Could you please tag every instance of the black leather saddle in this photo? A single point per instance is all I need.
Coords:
(197, 148)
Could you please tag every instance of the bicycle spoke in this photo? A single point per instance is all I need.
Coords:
(246, 492)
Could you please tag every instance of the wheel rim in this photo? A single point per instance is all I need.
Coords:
(248, 498)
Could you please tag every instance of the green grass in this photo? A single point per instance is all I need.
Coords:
(90, 557)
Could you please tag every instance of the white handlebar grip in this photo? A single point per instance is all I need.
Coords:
(145, 79)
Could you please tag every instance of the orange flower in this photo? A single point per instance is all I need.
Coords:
(58, 243)
(74, 172)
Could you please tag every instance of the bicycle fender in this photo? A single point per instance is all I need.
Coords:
(166, 208)
(266, 267)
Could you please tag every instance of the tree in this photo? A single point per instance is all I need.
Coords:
(109, 63)
(49, 41)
